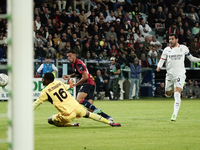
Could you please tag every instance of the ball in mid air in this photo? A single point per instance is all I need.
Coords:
(3, 79)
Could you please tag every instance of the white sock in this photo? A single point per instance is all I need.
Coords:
(177, 103)
(110, 122)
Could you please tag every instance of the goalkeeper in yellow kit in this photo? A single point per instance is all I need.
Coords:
(69, 109)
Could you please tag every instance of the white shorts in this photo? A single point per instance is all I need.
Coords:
(172, 81)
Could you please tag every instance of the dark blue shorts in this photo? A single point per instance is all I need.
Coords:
(89, 89)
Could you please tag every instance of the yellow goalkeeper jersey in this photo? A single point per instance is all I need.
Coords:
(57, 94)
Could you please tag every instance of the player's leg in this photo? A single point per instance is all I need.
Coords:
(96, 117)
(82, 97)
(177, 103)
(169, 93)
(178, 84)
(90, 93)
(169, 86)
(91, 101)
(90, 98)
(92, 108)
(81, 112)
(99, 118)
(86, 92)
(59, 121)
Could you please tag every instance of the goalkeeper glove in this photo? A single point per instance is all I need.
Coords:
(71, 82)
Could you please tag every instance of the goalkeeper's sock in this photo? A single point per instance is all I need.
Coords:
(98, 118)
(87, 104)
(177, 102)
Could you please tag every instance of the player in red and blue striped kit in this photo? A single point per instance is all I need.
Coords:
(86, 93)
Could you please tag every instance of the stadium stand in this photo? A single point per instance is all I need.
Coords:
(108, 28)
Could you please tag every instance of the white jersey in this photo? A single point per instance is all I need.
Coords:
(175, 58)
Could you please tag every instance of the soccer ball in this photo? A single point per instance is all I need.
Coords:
(3, 79)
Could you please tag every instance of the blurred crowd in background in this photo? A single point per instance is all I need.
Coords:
(190, 90)
(100, 29)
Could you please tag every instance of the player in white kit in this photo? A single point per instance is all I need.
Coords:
(174, 55)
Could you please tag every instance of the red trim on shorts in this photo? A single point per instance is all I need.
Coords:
(163, 59)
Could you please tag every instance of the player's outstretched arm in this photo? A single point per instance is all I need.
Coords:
(192, 58)
(36, 104)
(160, 64)
(83, 79)
(43, 97)
(67, 77)
(162, 60)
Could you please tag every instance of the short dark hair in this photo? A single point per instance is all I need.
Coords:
(176, 37)
(47, 57)
(71, 51)
(49, 76)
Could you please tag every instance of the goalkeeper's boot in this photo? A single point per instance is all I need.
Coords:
(113, 124)
(96, 111)
(76, 124)
(173, 118)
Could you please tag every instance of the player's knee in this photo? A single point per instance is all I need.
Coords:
(87, 114)
(177, 89)
(90, 101)
(168, 94)
(50, 121)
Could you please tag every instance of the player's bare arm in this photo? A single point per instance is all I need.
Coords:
(67, 77)
(83, 79)
(161, 61)
(160, 64)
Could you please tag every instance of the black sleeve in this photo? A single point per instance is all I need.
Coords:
(117, 66)
(97, 81)
(81, 68)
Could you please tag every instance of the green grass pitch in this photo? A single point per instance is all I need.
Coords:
(145, 123)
